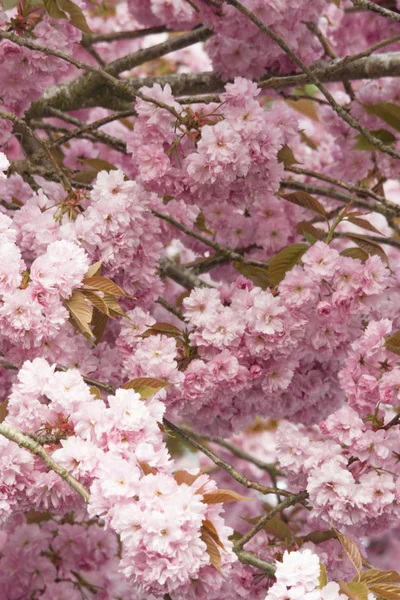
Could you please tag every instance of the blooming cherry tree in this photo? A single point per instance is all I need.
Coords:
(199, 300)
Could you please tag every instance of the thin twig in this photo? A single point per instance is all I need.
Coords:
(289, 501)
(180, 275)
(270, 468)
(214, 245)
(223, 464)
(172, 309)
(116, 36)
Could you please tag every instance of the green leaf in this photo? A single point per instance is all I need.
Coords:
(371, 248)
(384, 135)
(76, 16)
(53, 10)
(257, 275)
(354, 591)
(8, 4)
(282, 262)
(145, 386)
(392, 343)
(286, 156)
(305, 229)
(386, 111)
(323, 577)
(306, 201)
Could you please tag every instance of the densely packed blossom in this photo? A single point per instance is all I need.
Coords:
(199, 291)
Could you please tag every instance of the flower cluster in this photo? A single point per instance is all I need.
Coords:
(298, 576)
(116, 448)
(260, 353)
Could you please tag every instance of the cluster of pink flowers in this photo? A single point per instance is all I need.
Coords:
(25, 74)
(116, 448)
(32, 312)
(229, 49)
(260, 353)
(222, 158)
(313, 349)
(59, 559)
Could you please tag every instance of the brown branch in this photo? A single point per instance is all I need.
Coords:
(248, 558)
(224, 465)
(340, 111)
(357, 189)
(231, 254)
(380, 10)
(24, 441)
(45, 149)
(180, 275)
(172, 309)
(270, 468)
(389, 210)
(95, 38)
(130, 61)
(289, 501)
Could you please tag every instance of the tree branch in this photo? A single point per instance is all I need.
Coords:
(180, 275)
(380, 10)
(340, 111)
(25, 441)
(289, 501)
(224, 465)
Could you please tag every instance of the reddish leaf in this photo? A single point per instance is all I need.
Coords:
(368, 246)
(221, 496)
(80, 311)
(351, 550)
(212, 549)
(185, 477)
(103, 284)
(162, 329)
(306, 201)
(386, 591)
(363, 223)
(356, 253)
